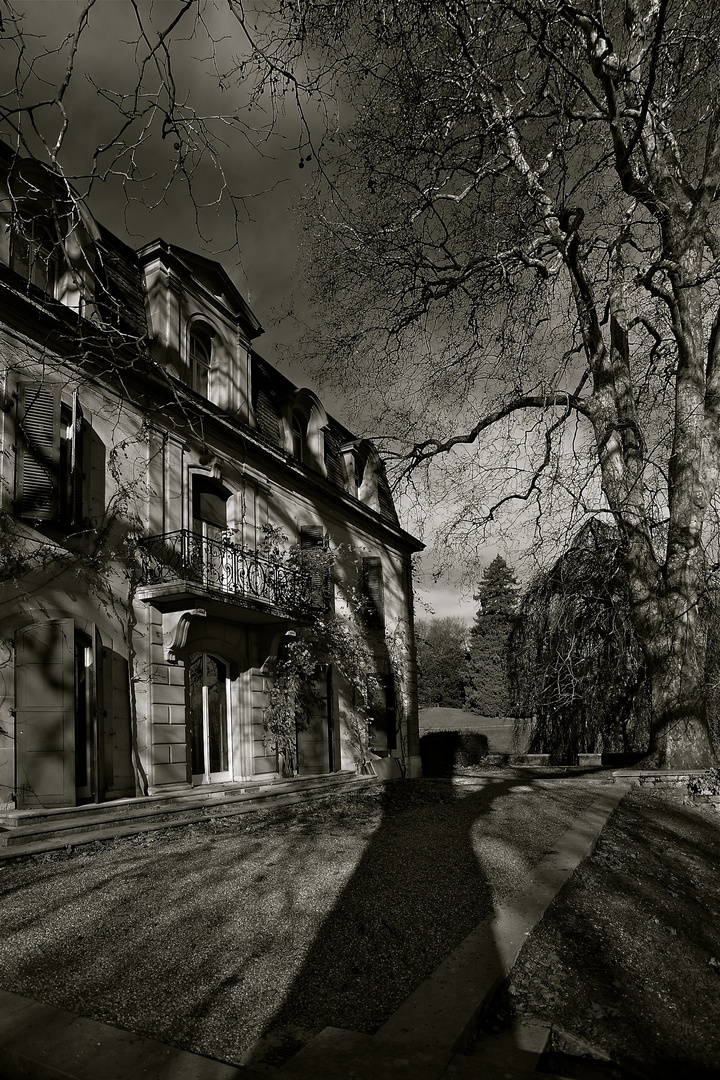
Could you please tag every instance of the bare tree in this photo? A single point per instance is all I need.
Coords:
(520, 252)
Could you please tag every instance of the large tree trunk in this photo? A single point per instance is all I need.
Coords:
(679, 734)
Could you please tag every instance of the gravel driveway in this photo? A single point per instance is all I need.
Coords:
(241, 937)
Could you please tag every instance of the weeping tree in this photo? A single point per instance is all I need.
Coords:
(576, 663)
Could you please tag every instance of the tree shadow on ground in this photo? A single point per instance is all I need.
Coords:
(416, 893)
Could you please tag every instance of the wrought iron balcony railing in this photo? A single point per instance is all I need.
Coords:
(224, 568)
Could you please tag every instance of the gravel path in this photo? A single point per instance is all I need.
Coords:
(214, 936)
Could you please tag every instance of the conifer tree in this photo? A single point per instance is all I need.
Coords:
(487, 686)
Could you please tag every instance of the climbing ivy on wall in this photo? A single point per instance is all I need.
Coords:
(335, 633)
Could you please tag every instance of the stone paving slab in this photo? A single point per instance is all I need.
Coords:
(42, 1042)
(337, 1054)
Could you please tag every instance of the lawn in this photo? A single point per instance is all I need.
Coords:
(627, 957)
(499, 729)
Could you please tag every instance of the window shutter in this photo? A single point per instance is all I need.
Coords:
(390, 712)
(45, 713)
(313, 536)
(76, 463)
(373, 592)
(38, 452)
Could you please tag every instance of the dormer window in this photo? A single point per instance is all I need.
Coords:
(362, 471)
(303, 428)
(32, 255)
(48, 236)
(299, 436)
(200, 358)
(358, 469)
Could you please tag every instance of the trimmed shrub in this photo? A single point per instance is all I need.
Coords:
(442, 751)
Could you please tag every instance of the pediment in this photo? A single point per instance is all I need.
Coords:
(206, 274)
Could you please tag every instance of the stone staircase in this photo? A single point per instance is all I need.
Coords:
(29, 832)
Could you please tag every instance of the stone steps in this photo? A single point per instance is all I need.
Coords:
(28, 832)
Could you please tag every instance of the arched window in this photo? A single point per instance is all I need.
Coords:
(358, 470)
(299, 436)
(200, 358)
(303, 428)
(362, 471)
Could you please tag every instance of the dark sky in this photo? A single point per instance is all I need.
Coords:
(264, 267)
(264, 169)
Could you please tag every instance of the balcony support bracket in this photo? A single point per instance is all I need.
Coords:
(175, 630)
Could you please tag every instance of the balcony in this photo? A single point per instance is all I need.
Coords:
(180, 566)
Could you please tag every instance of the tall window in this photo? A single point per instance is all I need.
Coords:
(48, 467)
(84, 715)
(209, 506)
(383, 715)
(373, 592)
(200, 357)
(69, 696)
(32, 255)
(312, 544)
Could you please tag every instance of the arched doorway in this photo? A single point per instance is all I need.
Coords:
(208, 720)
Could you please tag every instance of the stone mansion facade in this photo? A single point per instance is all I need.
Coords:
(164, 492)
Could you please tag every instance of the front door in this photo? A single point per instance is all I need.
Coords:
(208, 719)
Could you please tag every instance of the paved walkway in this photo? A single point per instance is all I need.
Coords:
(424, 1040)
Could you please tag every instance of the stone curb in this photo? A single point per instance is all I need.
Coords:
(43, 1042)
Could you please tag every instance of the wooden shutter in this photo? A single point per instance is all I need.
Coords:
(45, 714)
(313, 536)
(76, 464)
(390, 711)
(38, 452)
(373, 592)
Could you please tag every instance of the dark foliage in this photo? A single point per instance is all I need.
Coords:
(487, 685)
(441, 652)
(577, 665)
(442, 751)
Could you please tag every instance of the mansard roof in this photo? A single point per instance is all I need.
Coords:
(270, 386)
(120, 302)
